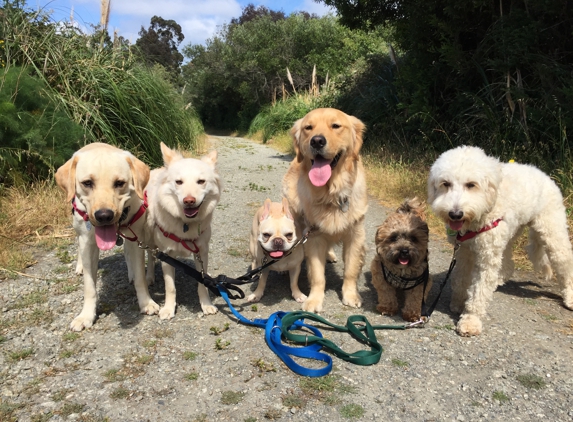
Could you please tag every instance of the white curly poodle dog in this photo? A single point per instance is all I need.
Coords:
(488, 203)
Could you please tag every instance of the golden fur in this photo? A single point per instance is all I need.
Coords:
(105, 181)
(402, 246)
(335, 210)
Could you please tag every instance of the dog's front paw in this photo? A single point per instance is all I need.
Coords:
(387, 309)
(209, 309)
(254, 297)
(82, 321)
(167, 312)
(410, 316)
(352, 299)
(299, 296)
(150, 308)
(312, 305)
(79, 268)
(469, 325)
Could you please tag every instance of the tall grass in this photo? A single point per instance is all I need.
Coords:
(115, 99)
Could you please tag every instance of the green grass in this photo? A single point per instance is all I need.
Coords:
(218, 330)
(351, 411)
(71, 337)
(192, 376)
(20, 354)
(500, 396)
(69, 408)
(400, 363)
(221, 344)
(120, 393)
(189, 355)
(232, 397)
(531, 381)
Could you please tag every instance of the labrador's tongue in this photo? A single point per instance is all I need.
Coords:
(456, 225)
(276, 254)
(106, 236)
(320, 171)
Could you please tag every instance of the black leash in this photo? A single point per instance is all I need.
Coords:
(427, 312)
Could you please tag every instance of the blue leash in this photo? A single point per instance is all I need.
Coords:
(273, 336)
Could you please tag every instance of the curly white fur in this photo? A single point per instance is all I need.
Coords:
(469, 190)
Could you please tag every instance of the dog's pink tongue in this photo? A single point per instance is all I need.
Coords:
(404, 261)
(106, 236)
(320, 172)
(456, 225)
(276, 254)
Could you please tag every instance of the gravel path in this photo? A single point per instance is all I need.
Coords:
(129, 367)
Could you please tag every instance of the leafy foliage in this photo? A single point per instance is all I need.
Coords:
(158, 44)
(244, 67)
(99, 85)
(494, 74)
(36, 135)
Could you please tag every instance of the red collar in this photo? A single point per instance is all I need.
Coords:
(183, 242)
(136, 217)
(75, 208)
(471, 235)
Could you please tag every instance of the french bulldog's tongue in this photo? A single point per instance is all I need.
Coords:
(320, 171)
(456, 225)
(106, 236)
(404, 261)
(276, 254)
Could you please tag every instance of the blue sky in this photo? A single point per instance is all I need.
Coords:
(199, 19)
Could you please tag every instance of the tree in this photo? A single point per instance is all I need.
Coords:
(159, 43)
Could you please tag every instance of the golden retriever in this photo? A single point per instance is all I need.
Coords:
(326, 190)
(105, 185)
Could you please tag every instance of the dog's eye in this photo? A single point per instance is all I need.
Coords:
(308, 127)
(119, 184)
(266, 236)
(179, 182)
(413, 239)
(470, 185)
(335, 126)
(201, 181)
(446, 184)
(393, 238)
(88, 184)
(288, 236)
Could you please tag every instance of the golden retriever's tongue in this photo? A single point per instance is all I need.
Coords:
(456, 225)
(320, 171)
(106, 236)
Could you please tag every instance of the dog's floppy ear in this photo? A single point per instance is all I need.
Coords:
(66, 177)
(266, 209)
(169, 155)
(432, 189)
(140, 174)
(210, 158)
(295, 134)
(286, 209)
(358, 128)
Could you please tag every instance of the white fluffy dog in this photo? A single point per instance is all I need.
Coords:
(488, 203)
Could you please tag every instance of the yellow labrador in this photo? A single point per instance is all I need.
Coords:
(105, 186)
(326, 190)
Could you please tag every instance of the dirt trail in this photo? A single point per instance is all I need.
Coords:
(130, 367)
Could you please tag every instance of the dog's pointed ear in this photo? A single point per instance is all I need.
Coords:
(286, 209)
(358, 129)
(66, 177)
(169, 155)
(295, 134)
(140, 174)
(266, 210)
(210, 158)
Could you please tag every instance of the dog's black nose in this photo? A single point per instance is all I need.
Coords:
(456, 215)
(104, 216)
(278, 243)
(317, 142)
(404, 252)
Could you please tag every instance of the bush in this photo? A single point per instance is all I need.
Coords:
(36, 135)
